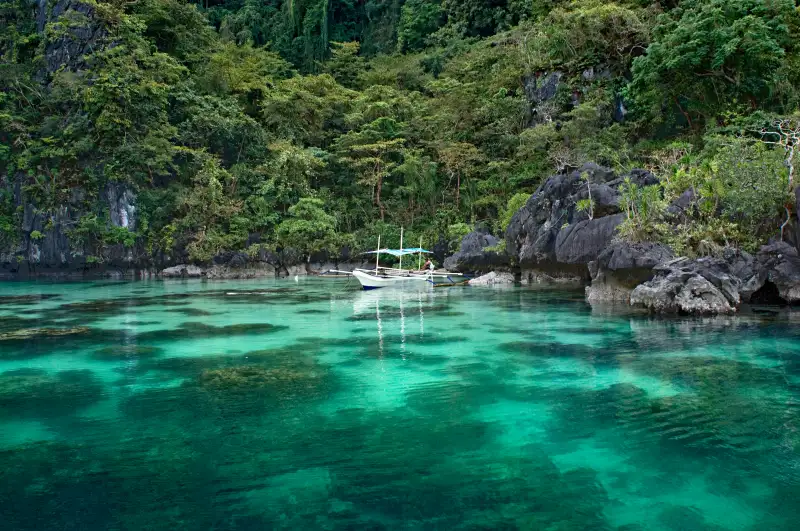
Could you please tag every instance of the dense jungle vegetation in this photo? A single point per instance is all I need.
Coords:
(316, 124)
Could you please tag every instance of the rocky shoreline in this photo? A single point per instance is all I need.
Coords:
(549, 240)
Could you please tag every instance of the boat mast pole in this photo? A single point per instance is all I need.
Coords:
(401, 248)
(378, 254)
(419, 255)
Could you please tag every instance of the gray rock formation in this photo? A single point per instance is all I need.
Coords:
(80, 34)
(71, 31)
(539, 90)
(121, 206)
(183, 271)
(621, 267)
(682, 292)
(473, 255)
(493, 278)
(551, 236)
(779, 265)
(719, 285)
(703, 286)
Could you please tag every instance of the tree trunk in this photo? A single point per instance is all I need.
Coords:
(378, 197)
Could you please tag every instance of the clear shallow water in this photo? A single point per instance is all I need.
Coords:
(309, 405)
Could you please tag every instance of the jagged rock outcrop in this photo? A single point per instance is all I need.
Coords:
(716, 285)
(541, 88)
(477, 254)
(550, 236)
(621, 267)
(71, 31)
(682, 292)
(702, 286)
(183, 271)
(778, 267)
(78, 33)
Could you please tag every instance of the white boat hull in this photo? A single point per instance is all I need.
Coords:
(370, 281)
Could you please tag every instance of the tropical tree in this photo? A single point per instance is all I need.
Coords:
(708, 56)
(308, 229)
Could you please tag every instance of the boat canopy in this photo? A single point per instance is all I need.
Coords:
(399, 252)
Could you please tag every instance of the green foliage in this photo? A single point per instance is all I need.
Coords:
(96, 234)
(308, 229)
(644, 211)
(8, 221)
(210, 219)
(709, 56)
(226, 118)
(585, 205)
(457, 231)
(740, 187)
(587, 33)
(516, 202)
(478, 18)
(418, 20)
(36, 235)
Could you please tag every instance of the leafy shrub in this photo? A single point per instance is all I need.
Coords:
(702, 237)
(586, 33)
(309, 228)
(644, 208)
(455, 233)
(516, 202)
(740, 189)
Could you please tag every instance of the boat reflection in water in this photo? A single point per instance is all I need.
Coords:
(404, 305)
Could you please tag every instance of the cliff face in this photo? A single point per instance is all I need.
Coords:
(71, 31)
(75, 32)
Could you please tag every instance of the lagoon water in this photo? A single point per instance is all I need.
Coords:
(311, 405)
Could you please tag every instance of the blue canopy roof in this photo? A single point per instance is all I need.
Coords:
(399, 252)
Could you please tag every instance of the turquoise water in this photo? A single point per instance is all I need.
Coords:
(310, 405)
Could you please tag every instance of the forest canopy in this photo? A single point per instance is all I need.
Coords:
(323, 123)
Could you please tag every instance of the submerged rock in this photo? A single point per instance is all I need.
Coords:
(34, 333)
(199, 330)
(249, 377)
(126, 352)
(34, 392)
(26, 299)
(275, 383)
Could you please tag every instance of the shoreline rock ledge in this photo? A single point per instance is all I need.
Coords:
(719, 285)
(551, 240)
